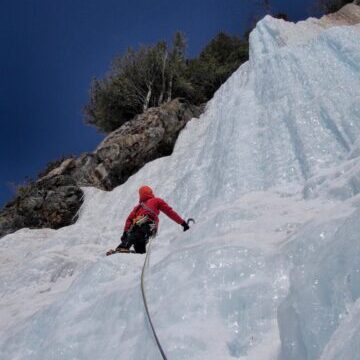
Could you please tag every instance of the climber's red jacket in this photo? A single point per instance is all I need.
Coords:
(156, 205)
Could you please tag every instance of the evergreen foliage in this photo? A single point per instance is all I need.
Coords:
(218, 60)
(153, 75)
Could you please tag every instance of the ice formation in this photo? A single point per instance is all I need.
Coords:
(271, 270)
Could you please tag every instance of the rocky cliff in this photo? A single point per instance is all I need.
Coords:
(54, 199)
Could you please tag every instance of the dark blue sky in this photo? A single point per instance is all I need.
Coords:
(50, 50)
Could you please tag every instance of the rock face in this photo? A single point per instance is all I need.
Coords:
(347, 15)
(54, 199)
(45, 203)
(125, 150)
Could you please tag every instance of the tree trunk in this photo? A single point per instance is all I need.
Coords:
(170, 88)
(148, 97)
(163, 83)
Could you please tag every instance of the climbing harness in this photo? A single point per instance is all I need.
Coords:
(151, 211)
(141, 220)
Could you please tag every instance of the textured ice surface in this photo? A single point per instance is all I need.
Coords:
(271, 270)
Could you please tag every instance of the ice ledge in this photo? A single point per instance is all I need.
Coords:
(271, 34)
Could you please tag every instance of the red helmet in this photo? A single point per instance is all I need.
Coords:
(145, 192)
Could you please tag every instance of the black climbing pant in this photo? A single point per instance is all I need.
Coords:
(138, 236)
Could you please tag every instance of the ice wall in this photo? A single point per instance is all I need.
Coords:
(270, 270)
(321, 309)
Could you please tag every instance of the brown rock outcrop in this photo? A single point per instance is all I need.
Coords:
(54, 199)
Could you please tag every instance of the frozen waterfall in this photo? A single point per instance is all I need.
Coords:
(270, 271)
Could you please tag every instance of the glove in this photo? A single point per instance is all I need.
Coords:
(185, 226)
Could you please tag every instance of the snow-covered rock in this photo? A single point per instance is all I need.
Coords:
(271, 270)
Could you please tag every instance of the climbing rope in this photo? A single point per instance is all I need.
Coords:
(146, 262)
(145, 302)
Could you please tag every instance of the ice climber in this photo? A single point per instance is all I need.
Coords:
(143, 221)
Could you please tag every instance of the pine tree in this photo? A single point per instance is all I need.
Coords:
(153, 75)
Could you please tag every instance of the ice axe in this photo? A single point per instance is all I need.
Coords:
(189, 221)
(185, 224)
